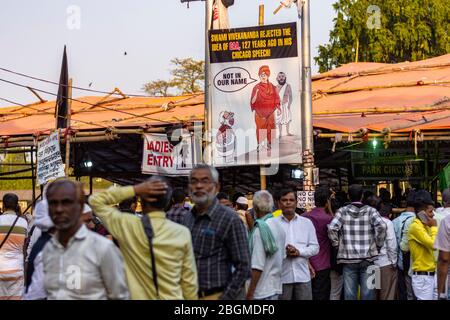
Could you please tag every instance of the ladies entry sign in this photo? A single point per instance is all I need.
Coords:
(160, 156)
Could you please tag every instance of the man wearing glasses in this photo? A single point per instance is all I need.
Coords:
(219, 239)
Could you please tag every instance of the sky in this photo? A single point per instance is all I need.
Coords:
(99, 32)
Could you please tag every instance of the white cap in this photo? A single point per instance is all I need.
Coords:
(86, 209)
(242, 200)
(42, 218)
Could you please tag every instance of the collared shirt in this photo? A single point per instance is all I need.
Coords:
(36, 290)
(358, 230)
(401, 228)
(421, 245)
(442, 242)
(388, 253)
(176, 214)
(11, 254)
(175, 263)
(321, 220)
(440, 214)
(242, 214)
(301, 234)
(269, 283)
(89, 268)
(277, 213)
(220, 243)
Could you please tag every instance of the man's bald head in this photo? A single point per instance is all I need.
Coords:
(65, 204)
(76, 186)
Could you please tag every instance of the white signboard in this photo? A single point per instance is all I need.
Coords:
(255, 98)
(161, 157)
(49, 161)
(305, 199)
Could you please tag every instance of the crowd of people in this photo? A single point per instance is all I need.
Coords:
(348, 247)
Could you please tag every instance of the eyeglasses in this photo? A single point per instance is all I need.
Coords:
(194, 182)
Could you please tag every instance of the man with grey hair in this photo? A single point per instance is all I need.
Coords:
(219, 239)
(266, 243)
(441, 213)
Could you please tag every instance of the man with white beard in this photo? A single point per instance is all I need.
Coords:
(284, 117)
(219, 239)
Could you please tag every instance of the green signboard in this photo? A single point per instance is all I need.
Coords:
(386, 164)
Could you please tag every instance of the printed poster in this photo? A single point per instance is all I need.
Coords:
(305, 200)
(162, 158)
(255, 96)
(49, 161)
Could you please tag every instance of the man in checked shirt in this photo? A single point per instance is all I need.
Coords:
(219, 239)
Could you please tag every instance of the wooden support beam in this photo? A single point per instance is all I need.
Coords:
(37, 95)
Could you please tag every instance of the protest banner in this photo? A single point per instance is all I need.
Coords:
(49, 161)
(255, 98)
(162, 157)
(305, 200)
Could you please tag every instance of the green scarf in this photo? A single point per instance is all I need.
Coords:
(269, 243)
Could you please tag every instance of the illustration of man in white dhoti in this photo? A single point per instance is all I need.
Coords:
(284, 117)
(184, 152)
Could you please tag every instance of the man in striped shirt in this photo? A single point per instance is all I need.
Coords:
(13, 232)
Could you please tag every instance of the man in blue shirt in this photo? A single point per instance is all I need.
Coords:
(401, 227)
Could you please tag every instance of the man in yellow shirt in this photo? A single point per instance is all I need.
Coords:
(422, 234)
(176, 271)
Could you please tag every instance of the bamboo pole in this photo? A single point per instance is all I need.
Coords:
(262, 174)
(381, 70)
(148, 106)
(207, 157)
(69, 110)
(72, 139)
(406, 139)
(395, 85)
(94, 139)
(375, 111)
(78, 136)
(424, 120)
(37, 95)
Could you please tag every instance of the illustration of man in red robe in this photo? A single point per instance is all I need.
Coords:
(264, 101)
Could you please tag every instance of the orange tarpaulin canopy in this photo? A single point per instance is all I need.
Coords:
(401, 97)
(376, 96)
(98, 113)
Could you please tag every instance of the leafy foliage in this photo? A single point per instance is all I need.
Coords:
(408, 30)
(19, 184)
(188, 76)
(158, 88)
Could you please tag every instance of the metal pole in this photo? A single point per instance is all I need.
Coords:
(33, 176)
(263, 178)
(69, 110)
(90, 184)
(307, 121)
(208, 115)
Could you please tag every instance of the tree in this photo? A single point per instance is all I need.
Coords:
(159, 88)
(188, 76)
(20, 184)
(386, 31)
